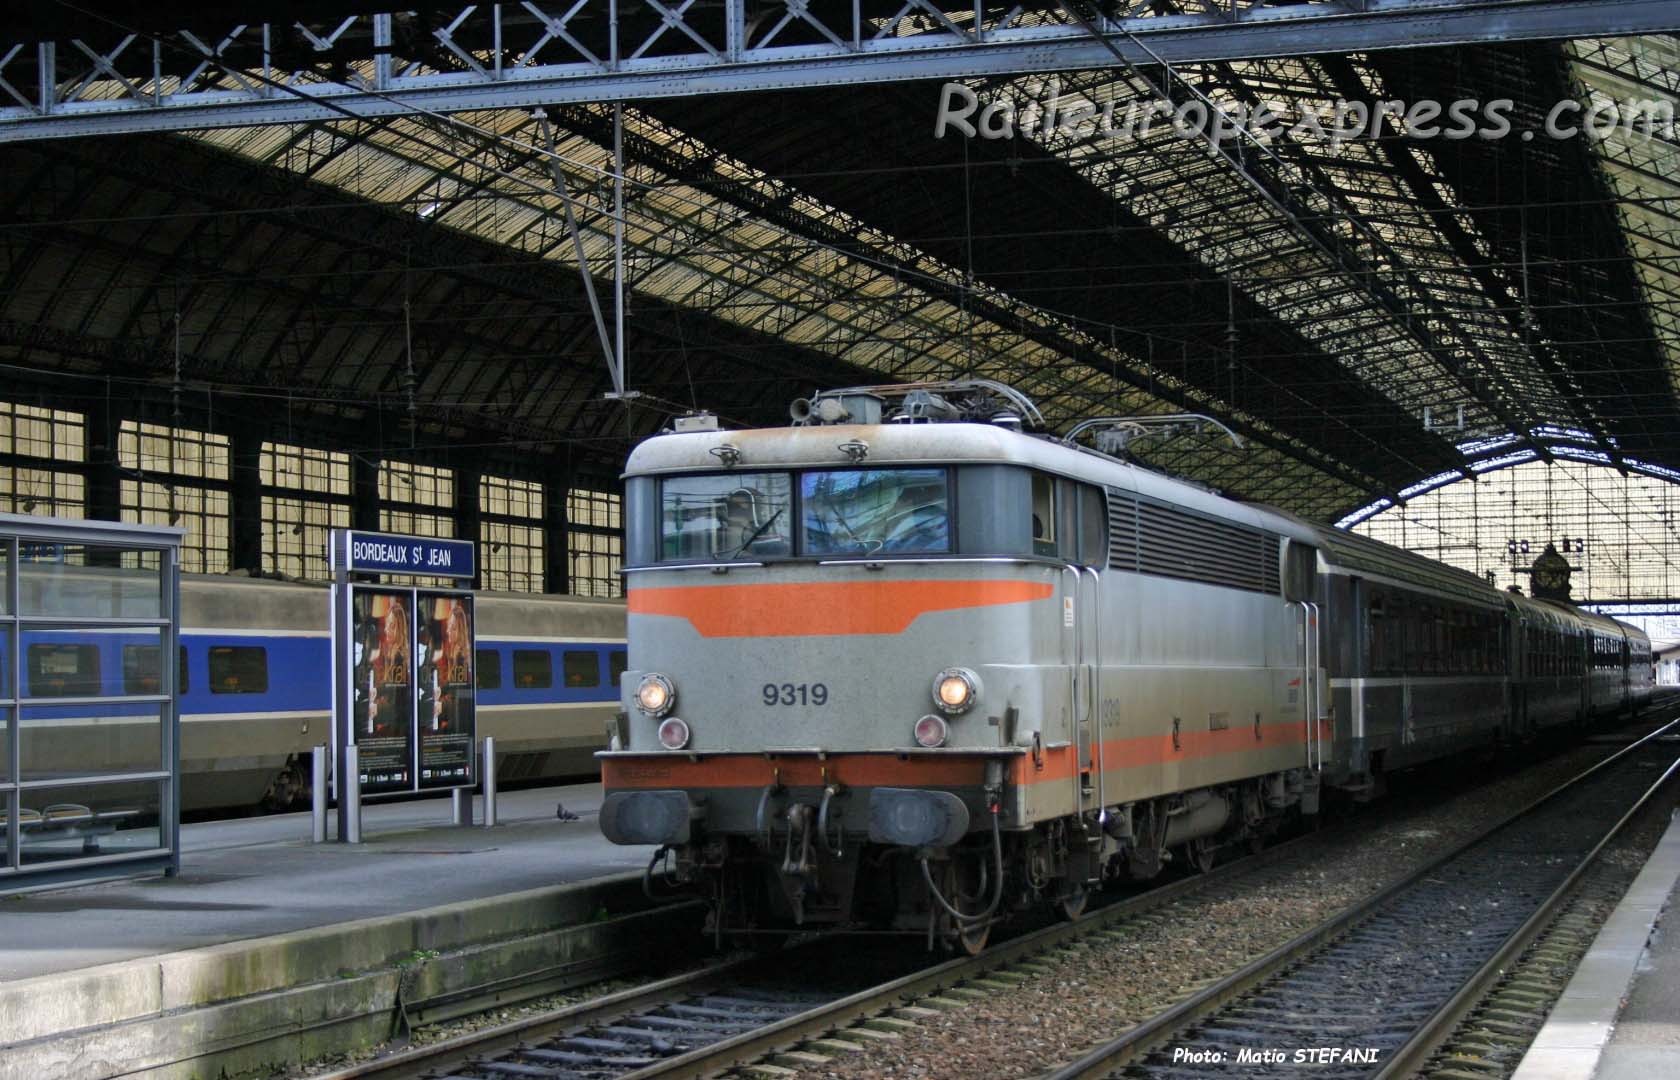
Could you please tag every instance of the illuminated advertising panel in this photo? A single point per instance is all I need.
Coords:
(382, 687)
(448, 705)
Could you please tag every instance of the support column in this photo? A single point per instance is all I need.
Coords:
(247, 524)
(364, 489)
(557, 532)
(103, 494)
(469, 514)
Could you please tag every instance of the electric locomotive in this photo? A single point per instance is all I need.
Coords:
(905, 665)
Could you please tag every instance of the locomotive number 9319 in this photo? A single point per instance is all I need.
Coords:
(795, 693)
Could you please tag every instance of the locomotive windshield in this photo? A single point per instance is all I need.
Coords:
(727, 516)
(874, 510)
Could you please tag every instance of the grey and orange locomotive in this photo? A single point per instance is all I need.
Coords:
(908, 664)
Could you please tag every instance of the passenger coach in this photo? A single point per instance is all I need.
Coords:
(254, 685)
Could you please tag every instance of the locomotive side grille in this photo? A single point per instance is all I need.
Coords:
(1122, 530)
(1152, 538)
(1270, 558)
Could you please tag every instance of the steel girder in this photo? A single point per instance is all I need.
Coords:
(346, 358)
(131, 78)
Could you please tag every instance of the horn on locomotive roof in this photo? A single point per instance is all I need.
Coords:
(1115, 435)
(981, 400)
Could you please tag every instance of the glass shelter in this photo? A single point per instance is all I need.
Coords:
(89, 726)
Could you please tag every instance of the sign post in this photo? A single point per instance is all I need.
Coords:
(404, 688)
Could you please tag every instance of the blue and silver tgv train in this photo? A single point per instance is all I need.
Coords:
(255, 683)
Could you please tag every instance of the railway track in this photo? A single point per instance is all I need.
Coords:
(748, 1009)
(1373, 991)
(757, 1011)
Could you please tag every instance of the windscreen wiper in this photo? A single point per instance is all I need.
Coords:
(756, 533)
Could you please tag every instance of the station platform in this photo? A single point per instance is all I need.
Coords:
(1619, 1017)
(268, 950)
(250, 877)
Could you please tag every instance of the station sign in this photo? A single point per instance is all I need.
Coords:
(390, 553)
(403, 678)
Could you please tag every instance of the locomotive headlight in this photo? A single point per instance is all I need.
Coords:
(673, 733)
(655, 695)
(955, 690)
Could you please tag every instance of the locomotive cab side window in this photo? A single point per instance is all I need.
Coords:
(1043, 515)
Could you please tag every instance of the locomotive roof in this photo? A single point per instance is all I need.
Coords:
(941, 443)
(818, 446)
(900, 444)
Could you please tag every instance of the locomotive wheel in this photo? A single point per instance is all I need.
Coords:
(973, 936)
(1199, 855)
(1072, 902)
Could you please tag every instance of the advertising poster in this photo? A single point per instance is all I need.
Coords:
(447, 689)
(382, 688)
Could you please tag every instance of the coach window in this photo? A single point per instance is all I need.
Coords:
(238, 669)
(618, 662)
(489, 669)
(64, 671)
(582, 668)
(141, 674)
(533, 669)
(1402, 635)
(1375, 638)
(1043, 515)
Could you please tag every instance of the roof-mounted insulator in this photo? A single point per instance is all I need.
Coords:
(702, 421)
(974, 400)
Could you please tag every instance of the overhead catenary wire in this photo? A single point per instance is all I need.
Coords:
(453, 121)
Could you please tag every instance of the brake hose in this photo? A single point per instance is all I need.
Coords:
(997, 887)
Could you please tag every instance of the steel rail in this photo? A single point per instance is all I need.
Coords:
(509, 1035)
(753, 1045)
(1145, 1037)
(439, 1057)
(1411, 1055)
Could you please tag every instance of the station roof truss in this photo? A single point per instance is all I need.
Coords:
(1374, 316)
